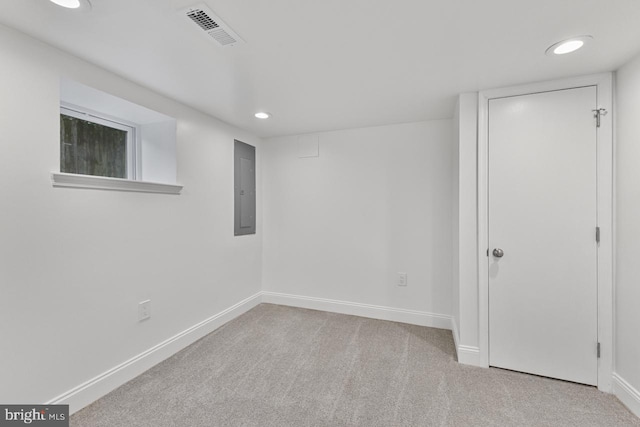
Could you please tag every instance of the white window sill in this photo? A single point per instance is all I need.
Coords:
(60, 179)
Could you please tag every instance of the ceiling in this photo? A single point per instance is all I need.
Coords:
(335, 64)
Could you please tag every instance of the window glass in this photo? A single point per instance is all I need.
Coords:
(90, 146)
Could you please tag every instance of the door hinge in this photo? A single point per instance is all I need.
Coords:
(487, 251)
(598, 113)
(597, 234)
(598, 350)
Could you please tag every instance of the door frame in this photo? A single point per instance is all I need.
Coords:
(605, 180)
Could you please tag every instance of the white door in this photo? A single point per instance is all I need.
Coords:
(543, 304)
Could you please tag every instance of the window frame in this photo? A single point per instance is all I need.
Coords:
(134, 164)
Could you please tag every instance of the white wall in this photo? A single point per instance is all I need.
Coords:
(468, 228)
(455, 225)
(627, 292)
(75, 263)
(377, 201)
(465, 229)
(158, 149)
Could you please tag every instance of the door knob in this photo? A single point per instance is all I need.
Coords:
(498, 253)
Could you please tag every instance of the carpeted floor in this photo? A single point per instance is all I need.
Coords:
(282, 366)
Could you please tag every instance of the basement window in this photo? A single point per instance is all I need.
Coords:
(91, 144)
(110, 143)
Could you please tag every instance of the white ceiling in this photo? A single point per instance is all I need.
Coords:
(333, 64)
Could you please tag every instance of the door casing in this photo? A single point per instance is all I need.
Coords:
(605, 169)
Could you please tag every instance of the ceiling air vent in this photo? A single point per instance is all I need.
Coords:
(210, 25)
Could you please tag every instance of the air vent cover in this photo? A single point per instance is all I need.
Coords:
(211, 25)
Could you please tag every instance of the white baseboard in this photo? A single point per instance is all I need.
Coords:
(627, 394)
(467, 355)
(90, 391)
(84, 394)
(412, 317)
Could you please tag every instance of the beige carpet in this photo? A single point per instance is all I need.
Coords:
(281, 366)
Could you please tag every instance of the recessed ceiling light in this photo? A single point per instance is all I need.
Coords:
(73, 4)
(568, 46)
(262, 115)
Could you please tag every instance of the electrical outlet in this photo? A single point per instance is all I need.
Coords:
(144, 310)
(402, 279)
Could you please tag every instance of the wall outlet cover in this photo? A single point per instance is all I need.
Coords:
(402, 279)
(144, 310)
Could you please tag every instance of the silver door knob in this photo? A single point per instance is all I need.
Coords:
(498, 253)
